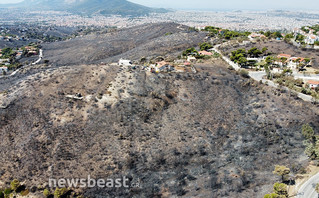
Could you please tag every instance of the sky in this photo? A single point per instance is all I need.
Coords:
(224, 4)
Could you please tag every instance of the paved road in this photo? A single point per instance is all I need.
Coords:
(40, 57)
(234, 65)
(307, 190)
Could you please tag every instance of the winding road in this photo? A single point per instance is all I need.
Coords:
(307, 190)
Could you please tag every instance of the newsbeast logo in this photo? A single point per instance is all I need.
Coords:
(89, 182)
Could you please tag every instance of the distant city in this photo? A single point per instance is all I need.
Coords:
(236, 20)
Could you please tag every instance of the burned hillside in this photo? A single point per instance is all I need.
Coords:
(148, 41)
(210, 134)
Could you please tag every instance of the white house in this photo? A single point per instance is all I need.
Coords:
(191, 59)
(311, 39)
(4, 60)
(3, 69)
(313, 84)
(125, 62)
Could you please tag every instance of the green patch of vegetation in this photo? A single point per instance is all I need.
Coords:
(225, 33)
(15, 184)
(300, 38)
(311, 142)
(190, 51)
(46, 192)
(239, 56)
(274, 35)
(281, 171)
(288, 81)
(205, 46)
(7, 53)
(288, 37)
(254, 52)
(60, 192)
(14, 66)
(280, 191)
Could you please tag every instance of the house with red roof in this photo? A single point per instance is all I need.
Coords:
(280, 59)
(313, 84)
(205, 53)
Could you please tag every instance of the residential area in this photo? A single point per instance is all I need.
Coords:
(186, 62)
(10, 57)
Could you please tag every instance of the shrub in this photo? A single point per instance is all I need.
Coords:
(281, 189)
(24, 193)
(59, 192)
(307, 131)
(15, 184)
(272, 195)
(46, 192)
(281, 171)
(7, 191)
(244, 73)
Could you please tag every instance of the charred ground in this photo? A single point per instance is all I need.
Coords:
(147, 41)
(210, 134)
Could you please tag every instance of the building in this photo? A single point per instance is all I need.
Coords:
(186, 63)
(124, 62)
(256, 35)
(280, 59)
(284, 55)
(311, 39)
(313, 83)
(161, 64)
(191, 59)
(3, 69)
(2, 61)
(205, 53)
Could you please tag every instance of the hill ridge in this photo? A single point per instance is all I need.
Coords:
(88, 7)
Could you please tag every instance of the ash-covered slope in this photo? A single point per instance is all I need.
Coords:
(211, 134)
(141, 41)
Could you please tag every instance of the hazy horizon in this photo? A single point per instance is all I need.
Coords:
(215, 5)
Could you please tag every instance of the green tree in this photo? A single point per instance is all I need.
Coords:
(300, 38)
(15, 184)
(59, 192)
(307, 60)
(288, 37)
(242, 61)
(281, 171)
(190, 51)
(308, 132)
(281, 189)
(46, 192)
(283, 60)
(274, 195)
(205, 46)
(317, 188)
(254, 52)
